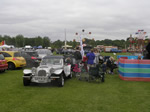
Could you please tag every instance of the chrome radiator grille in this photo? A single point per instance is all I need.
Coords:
(42, 73)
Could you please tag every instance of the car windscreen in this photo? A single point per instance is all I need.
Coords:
(25, 55)
(35, 54)
(51, 61)
(44, 51)
(1, 57)
(17, 54)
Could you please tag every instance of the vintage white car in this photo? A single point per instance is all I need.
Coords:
(52, 68)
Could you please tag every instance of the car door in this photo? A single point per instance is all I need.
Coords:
(67, 69)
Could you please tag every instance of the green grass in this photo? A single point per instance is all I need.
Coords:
(114, 95)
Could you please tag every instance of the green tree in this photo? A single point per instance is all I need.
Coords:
(57, 44)
(38, 41)
(20, 41)
(46, 42)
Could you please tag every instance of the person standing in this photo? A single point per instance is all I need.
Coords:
(78, 59)
(90, 56)
(77, 55)
(97, 55)
(111, 65)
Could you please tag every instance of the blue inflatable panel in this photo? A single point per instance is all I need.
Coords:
(134, 65)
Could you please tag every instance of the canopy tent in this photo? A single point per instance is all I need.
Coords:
(67, 46)
(40, 47)
(5, 46)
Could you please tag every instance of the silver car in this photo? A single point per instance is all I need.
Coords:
(52, 68)
(44, 52)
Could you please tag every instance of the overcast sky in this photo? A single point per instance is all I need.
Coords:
(105, 19)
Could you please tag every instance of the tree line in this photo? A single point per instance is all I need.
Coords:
(21, 41)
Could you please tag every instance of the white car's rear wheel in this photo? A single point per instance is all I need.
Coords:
(70, 76)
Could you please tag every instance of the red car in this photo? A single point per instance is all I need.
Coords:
(3, 63)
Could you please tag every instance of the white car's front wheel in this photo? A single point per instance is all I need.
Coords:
(26, 82)
(61, 81)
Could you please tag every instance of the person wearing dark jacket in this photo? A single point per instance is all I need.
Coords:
(111, 65)
(77, 55)
(146, 52)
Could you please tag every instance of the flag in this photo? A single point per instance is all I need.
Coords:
(82, 50)
(2, 43)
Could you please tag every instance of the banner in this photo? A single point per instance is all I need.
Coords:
(82, 50)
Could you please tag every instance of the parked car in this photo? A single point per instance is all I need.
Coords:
(113, 50)
(87, 49)
(14, 59)
(58, 51)
(44, 52)
(52, 68)
(31, 57)
(3, 63)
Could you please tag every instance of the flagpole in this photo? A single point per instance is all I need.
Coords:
(81, 44)
(65, 39)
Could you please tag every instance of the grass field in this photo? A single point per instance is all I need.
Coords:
(114, 95)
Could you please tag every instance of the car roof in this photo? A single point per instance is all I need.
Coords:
(10, 52)
(46, 57)
(31, 51)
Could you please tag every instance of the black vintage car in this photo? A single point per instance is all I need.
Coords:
(31, 57)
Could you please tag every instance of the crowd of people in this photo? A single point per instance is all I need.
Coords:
(92, 59)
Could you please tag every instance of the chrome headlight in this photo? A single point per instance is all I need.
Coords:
(52, 70)
(33, 70)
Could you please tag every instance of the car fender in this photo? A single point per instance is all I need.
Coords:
(12, 62)
(67, 70)
(58, 71)
(27, 71)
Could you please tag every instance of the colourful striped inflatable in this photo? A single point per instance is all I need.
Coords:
(134, 70)
(128, 57)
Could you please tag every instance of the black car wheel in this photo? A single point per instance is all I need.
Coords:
(26, 82)
(61, 81)
(11, 66)
(102, 78)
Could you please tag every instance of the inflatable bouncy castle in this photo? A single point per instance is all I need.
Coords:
(132, 69)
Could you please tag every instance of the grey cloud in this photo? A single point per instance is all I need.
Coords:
(112, 19)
